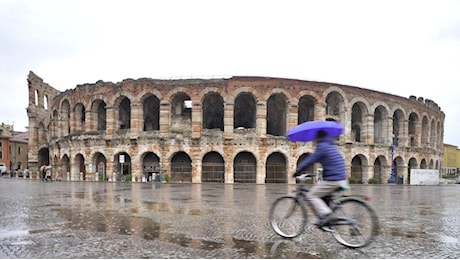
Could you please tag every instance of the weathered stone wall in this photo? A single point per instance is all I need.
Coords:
(181, 129)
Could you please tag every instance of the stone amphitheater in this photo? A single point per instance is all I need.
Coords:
(228, 130)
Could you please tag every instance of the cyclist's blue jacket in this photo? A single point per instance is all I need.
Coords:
(328, 155)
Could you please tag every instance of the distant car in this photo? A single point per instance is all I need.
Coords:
(3, 168)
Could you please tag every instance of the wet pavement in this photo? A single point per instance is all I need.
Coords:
(153, 220)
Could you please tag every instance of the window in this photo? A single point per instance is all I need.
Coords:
(1, 155)
(1, 144)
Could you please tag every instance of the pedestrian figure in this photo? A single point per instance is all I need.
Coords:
(43, 172)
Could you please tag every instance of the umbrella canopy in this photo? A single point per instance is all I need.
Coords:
(306, 131)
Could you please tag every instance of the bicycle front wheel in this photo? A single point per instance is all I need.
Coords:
(356, 224)
(288, 217)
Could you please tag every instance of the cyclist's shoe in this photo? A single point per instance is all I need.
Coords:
(324, 220)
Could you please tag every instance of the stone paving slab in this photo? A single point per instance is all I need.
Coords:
(152, 220)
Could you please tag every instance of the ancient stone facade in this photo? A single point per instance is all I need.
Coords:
(223, 130)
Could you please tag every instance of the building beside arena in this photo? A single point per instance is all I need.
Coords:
(227, 130)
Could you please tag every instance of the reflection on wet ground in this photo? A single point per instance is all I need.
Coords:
(152, 220)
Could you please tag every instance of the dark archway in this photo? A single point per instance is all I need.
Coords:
(244, 168)
(181, 168)
(275, 168)
(213, 168)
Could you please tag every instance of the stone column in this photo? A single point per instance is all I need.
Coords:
(136, 121)
(164, 117)
(261, 119)
(196, 120)
(228, 120)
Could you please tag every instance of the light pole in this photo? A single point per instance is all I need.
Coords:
(392, 175)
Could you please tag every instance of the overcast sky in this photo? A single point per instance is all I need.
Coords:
(400, 47)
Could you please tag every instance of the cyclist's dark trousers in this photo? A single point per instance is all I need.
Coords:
(320, 190)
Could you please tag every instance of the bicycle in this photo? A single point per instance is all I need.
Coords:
(354, 223)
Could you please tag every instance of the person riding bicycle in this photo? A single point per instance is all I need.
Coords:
(334, 174)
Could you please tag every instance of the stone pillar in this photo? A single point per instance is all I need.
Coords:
(136, 121)
(293, 112)
(261, 119)
(228, 120)
(164, 117)
(369, 126)
(111, 121)
(196, 120)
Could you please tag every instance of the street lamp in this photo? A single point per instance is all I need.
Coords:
(392, 146)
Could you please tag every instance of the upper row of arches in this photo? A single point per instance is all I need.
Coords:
(376, 122)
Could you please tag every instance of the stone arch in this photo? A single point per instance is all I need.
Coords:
(335, 106)
(411, 165)
(306, 109)
(65, 118)
(398, 126)
(79, 162)
(100, 164)
(213, 111)
(79, 118)
(359, 168)
(151, 166)
(213, 168)
(425, 131)
(124, 168)
(43, 156)
(99, 114)
(181, 168)
(151, 113)
(380, 125)
(433, 133)
(423, 164)
(438, 142)
(64, 172)
(276, 168)
(123, 109)
(245, 168)
(380, 167)
(276, 114)
(359, 122)
(413, 129)
(244, 111)
(181, 112)
(398, 167)
(431, 164)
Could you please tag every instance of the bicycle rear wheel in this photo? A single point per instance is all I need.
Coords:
(356, 223)
(288, 217)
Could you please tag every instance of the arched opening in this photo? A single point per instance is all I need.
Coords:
(181, 168)
(123, 166)
(124, 114)
(80, 163)
(213, 112)
(181, 113)
(380, 125)
(151, 167)
(275, 168)
(64, 172)
(276, 115)
(244, 111)
(101, 167)
(151, 109)
(244, 168)
(213, 168)
(306, 109)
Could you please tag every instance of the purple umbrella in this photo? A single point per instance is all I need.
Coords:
(306, 131)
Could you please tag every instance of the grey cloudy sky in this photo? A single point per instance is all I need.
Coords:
(400, 47)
